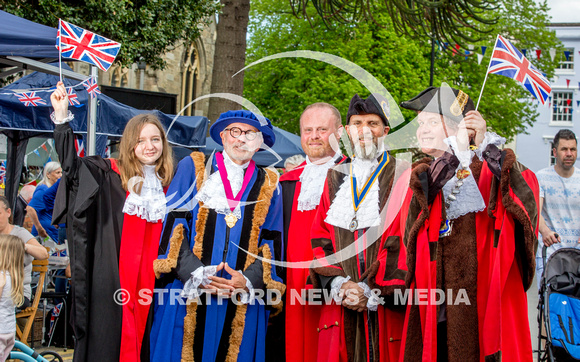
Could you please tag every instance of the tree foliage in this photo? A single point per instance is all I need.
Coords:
(283, 88)
(456, 21)
(145, 28)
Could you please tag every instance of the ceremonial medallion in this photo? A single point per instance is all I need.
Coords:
(462, 173)
(231, 220)
(353, 225)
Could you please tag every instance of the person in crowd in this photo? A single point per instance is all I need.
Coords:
(357, 244)
(24, 197)
(11, 290)
(320, 129)
(33, 249)
(293, 162)
(470, 234)
(39, 213)
(559, 199)
(217, 263)
(113, 210)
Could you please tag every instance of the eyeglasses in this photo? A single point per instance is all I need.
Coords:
(236, 132)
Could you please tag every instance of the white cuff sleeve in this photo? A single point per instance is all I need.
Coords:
(373, 300)
(199, 276)
(490, 138)
(68, 118)
(250, 296)
(335, 286)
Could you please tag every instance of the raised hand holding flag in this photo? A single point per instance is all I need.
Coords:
(77, 43)
(508, 61)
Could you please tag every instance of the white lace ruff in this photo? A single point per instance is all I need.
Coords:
(213, 194)
(313, 178)
(150, 204)
(341, 211)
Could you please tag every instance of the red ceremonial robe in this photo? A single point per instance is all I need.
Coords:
(489, 257)
(346, 335)
(139, 246)
(301, 319)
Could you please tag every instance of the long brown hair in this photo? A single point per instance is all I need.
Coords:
(12, 261)
(129, 165)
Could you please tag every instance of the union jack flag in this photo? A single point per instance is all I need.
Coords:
(53, 318)
(80, 147)
(78, 43)
(509, 62)
(92, 87)
(30, 99)
(2, 171)
(73, 99)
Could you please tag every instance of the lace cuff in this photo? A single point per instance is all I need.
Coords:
(373, 301)
(249, 296)
(199, 276)
(335, 286)
(69, 117)
(490, 138)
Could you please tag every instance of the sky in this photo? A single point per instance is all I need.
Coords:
(564, 11)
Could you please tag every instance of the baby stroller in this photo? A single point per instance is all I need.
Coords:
(559, 306)
(22, 352)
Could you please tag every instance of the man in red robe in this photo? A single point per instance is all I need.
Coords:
(320, 128)
(359, 256)
(471, 234)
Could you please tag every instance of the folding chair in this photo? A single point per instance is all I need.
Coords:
(39, 266)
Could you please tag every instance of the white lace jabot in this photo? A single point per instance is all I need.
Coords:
(313, 178)
(150, 204)
(213, 194)
(469, 198)
(341, 211)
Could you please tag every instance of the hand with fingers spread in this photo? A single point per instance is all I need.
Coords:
(225, 287)
(59, 100)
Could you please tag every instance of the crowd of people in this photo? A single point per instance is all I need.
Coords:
(345, 257)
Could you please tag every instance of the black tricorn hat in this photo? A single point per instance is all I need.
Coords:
(450, 102)
(374, 104)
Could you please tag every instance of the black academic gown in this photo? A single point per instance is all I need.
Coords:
(90, 201)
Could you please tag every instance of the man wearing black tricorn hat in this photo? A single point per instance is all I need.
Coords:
(471, 233)
(352, 220)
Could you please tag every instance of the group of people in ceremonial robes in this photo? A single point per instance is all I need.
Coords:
(341, 248)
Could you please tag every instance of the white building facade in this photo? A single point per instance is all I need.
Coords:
(535, 149)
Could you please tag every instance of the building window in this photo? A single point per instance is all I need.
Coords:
(562, 106)
(552, 158)
(189, 80)
(567, 63)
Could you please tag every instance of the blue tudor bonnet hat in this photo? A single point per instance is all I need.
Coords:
(246, 117)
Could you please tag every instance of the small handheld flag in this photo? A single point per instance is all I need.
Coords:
(77, 43)
(506, 60)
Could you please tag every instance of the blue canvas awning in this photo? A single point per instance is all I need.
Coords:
(25, 38)
(112, 116)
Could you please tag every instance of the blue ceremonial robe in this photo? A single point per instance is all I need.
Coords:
(216, 330)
